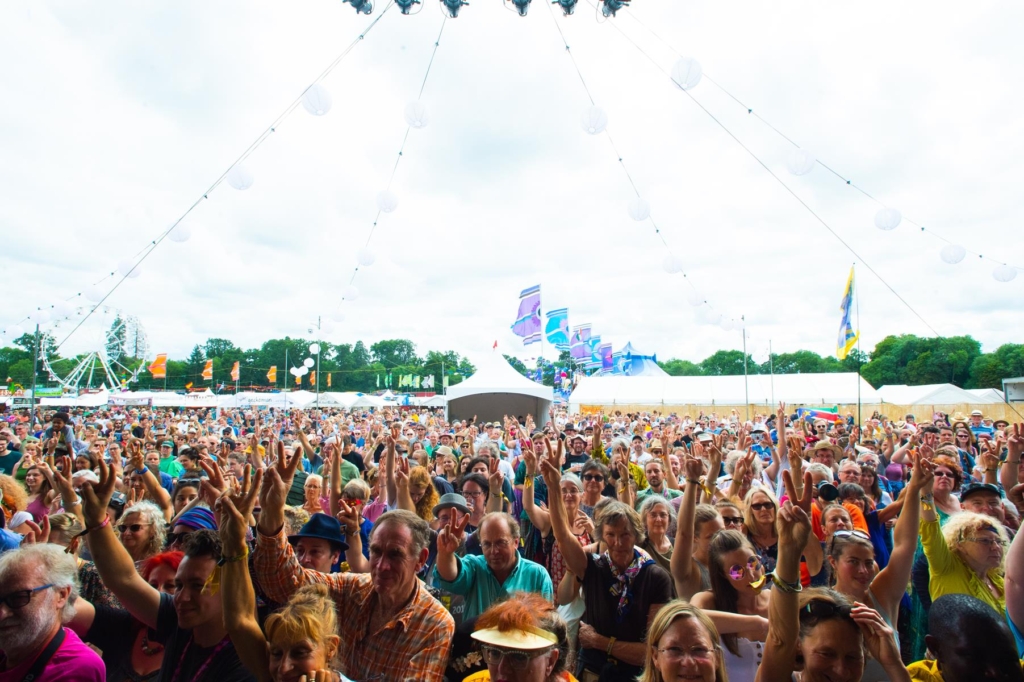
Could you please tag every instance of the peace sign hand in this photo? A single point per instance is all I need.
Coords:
(802, 501)
(495, 478)
(450, 537)
(349, 517)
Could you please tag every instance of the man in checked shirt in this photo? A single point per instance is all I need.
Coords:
(391, 629)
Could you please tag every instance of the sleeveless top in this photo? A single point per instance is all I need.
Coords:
(743, 668)
(38, 509)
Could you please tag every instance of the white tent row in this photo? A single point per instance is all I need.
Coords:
(98, 399)
(937, 394)
(758, 389)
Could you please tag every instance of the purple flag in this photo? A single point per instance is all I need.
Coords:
(579, 348)
(528, 324)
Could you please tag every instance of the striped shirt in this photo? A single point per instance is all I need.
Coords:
(412, 646)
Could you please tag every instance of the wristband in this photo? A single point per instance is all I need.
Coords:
(106, 522)
(233, 559)
(528, 483)
(789, 588)
(141, 471)
(611, 643)
(695, 481)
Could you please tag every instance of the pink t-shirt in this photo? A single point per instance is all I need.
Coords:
(72, 662)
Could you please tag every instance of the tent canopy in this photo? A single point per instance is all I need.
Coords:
(935, 394)
(759, 389)
(497, 389)
(631, 362)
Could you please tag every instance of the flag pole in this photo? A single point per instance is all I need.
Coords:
(856, 295)
(746, 387)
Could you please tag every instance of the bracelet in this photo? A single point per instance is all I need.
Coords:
(142, 471)
(233, 559)
(788, 588)
(928, 499)
(528, 483)
(695, 481)
(106, 522)
(611, 643)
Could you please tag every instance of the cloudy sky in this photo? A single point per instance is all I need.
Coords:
(116, 121)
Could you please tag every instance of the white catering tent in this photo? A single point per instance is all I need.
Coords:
(497, 389)
(98, 399)
(278, 400)
(759, 389)
(935, 394)
(987, 395)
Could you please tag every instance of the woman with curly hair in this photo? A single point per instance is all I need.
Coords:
(13, 498)
(965, 556)
(423, 493)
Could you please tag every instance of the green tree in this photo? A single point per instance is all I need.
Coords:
(989, 370)
(727, 362)
(219, 348)
(117, 339)
(680, 368)
(395, 353)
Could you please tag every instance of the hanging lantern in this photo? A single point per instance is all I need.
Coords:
(887, 219)
(180, 233)
(94, 294)
(303, 371)
(309, 362)
(63, 309)
(239, 177)
(365, 256)
(13, 331)
(316, 100)
(594, 120)
(695, 298)
(338, 316)
(687, 73)
(314, 349)
(294, 371)
(416, 115)
(350, 293)
(712, 318)
(800, 162)
(39, 316)
(727, 325)
(128, 269)
(327, 326)
(953, 253)
(387, 200)
(1004, 273)
(672, 264)
(639, 209)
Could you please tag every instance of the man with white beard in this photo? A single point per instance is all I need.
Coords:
(38, 593)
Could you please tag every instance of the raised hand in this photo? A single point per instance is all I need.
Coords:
(96, 496)
(793, 526)
(450, 537)
(921, 475)
(693, 468)
(494, 476)
(233, 511)
(402, 473)
(349, 517)
(62, 482)
(1015, 443)
(878, 636)
(804, 499)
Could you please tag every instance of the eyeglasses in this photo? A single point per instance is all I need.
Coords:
(470, 496)
(175, 537)
(517, 660)
(733, 520)
(593, 477)
(737, 571)
(761, 506)
(697, 653)
(987, 542)
(497, 544)
(945, 474)
(21, 598)
(132, 527)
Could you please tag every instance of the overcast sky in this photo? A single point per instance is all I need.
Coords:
(117, 118)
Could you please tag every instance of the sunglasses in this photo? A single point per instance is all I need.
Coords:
(517, 660)
(593, 477)
(175, 537)
(818, 608)
(737, 571)
(132, 527)
(733, 520)
(761, 506)
(21, 598)
(944, 474)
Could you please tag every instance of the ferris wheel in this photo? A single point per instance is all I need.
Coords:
(114, 358)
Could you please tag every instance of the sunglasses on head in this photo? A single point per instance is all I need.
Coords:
(817, 608)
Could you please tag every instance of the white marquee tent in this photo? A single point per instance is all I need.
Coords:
(936, 394)
(98, 399)
(759, 389)
(497, 389)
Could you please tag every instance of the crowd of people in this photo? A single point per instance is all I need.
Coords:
(324, 545)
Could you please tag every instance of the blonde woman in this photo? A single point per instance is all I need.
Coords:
(965, 556)
(683, 643)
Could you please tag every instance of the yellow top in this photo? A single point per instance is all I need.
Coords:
(485, 676)
(928, 671)
(949, 574)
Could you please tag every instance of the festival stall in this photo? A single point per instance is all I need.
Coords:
(97, 399)
(288, 400)
(497, 389)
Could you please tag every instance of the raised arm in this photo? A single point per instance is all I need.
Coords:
(115, 565)
(351, 518)
(1014, 447)
(890, 584)
(572, 552)
(449, 539)
(1015, 578)
(684, 572)
(540, 518)
(389, 471)
(154, 491)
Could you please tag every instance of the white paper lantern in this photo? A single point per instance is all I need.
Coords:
(94, 293)
(13, 331)
(365, 256)
(63, 309)
(687, 73)
(239, 177)
(303, 371)
(317, 100)
(672, 264)
(953, 253)
(1004, 273)
(727, 325)
(639, 209)
(314, 348)
(387, 200)
(309, 362)
(338, 316)
(416, 115)
(594, 120)
(800, 162)
(294, 371)
(39, 316)
(350, 293)
(695, 298)
(180, 233)
(128, 269)
(327, 326)
(887, 219)
(712, 318)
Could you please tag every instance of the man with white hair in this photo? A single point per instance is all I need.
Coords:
(38, 593)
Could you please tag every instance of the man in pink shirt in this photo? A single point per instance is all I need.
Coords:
(39, 590)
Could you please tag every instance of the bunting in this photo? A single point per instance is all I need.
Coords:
(272, 375)
(235, 371)
(298, 380)
(208, 371)
(328, 380)
(159, 367)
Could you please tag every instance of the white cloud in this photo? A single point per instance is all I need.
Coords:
(118, 121)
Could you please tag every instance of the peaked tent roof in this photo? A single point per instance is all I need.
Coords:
(494, 375)
(932, 394)
(636, 364)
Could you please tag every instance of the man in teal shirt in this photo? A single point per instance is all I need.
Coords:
(487, 579)
(169, 464)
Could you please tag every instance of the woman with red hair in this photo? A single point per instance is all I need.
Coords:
(522, 639)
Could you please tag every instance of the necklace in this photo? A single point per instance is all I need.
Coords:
(156, 648)
(206, 664)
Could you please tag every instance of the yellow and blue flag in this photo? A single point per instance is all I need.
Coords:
(847, 335)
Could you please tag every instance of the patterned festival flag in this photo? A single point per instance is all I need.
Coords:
(188, 385)
(208, 371)
(235, 372)
(527, 324)
(557, 328)
(272, 375)
(593, 357)
(298, 380)
(605, 352)
(328, 380)
(847, 336)
(159, 367)
(578, 348)
(312, 379)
